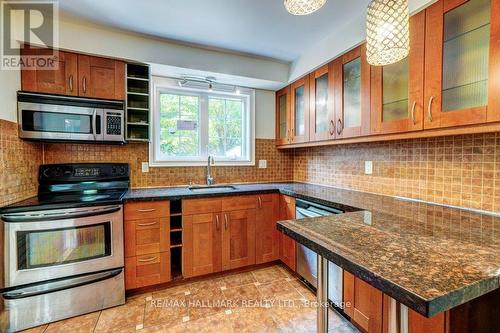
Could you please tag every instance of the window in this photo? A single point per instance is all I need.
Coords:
(191, 124)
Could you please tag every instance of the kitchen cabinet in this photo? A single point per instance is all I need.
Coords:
(266, 234)
(364, 304)
(397, 90)
(61, 81)
(420, 324)
(462, 58)
(218, 234)
(299, 110)
(352, 94)
(76, 75)
(101, 78)
(283, 117)
(287, 244)
(147, 243)
(202, 244)
(321, 115)
(238, 239)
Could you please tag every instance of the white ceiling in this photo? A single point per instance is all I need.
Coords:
(257, 27)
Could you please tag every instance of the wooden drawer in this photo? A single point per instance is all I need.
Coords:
(146, 236)
(147, 270)
(201, 206)
(239, 202)
(146, 209)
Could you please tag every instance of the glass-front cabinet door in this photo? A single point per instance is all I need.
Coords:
(299, 91)
(352, 94)
(322, 118)
(283, 120)
(397, 89)
(462, 61)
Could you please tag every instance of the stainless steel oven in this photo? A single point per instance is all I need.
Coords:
(52, 244)
(61, 118)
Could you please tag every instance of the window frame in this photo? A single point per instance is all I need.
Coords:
(162, 85)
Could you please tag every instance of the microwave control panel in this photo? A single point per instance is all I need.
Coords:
(113, 124)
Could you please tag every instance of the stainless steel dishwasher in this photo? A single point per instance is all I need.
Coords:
(306, 258)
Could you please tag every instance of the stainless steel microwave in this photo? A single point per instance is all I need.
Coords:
(61, 118)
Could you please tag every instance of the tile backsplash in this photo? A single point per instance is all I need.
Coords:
(460, 170)
(279, 164)
(19, 162)
(457, 170)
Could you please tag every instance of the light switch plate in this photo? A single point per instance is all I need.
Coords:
(262, 164)
(368, 167)
(145, 167)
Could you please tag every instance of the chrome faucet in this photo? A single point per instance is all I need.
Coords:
(210, 178)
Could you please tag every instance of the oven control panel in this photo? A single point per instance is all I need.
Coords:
(57, 173)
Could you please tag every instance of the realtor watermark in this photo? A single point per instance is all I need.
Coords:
(29, 35)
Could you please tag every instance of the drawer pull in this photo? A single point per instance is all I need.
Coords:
(260, 202)
(217, 223)
(225, 221)
(147, 259)
(146, 210)
(147, 224)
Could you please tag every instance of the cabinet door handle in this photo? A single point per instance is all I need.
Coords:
(339, 126)
(429, 108)
(84, 83)
(71, 83)
(217, 223)
(225, 221)
(148, 259)
(413, 113)
(332, 127)
(260, 201)
(146, 224)
(146, 210)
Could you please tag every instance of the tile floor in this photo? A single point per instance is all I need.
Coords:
(264, 300)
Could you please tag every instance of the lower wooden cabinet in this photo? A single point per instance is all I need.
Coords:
(147, 243)
(147, 270)
(223, 238)
(266, 235)
(287, 244)
(363, 303)
(202, 244)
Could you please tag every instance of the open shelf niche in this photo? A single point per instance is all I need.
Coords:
(138, 112)
(176, 239)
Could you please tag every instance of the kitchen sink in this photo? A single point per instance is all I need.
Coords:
(212, 188)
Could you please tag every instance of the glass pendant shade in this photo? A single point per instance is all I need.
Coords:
(387, 32)
(303, 7)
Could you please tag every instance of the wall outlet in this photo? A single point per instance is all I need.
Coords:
(368, 167)
(262, 164)
(145, 167)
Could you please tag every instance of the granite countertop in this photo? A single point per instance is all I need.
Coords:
(429, 257)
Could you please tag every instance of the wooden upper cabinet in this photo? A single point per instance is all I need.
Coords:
(352, 93)
(462, 63)
(321, 112)
(266, 234)
(238, 239)
(397, 90)
(364, 304)
(60, 81)
(101, 77)
(202, 244)
(299, 110)
(283, 119)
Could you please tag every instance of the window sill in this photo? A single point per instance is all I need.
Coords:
(172, 164)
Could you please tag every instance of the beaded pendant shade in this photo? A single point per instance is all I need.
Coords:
(387, 30)
(303, 7)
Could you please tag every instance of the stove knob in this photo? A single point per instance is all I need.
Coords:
(113, 170)
(122, 171)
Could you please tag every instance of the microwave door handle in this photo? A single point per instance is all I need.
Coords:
(94, 124)
(50, 287)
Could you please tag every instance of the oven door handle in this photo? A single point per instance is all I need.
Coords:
(59, 285)
(306, 212)
(46, 215)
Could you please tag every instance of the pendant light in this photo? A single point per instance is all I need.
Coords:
(303, 7)
(388, 32)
